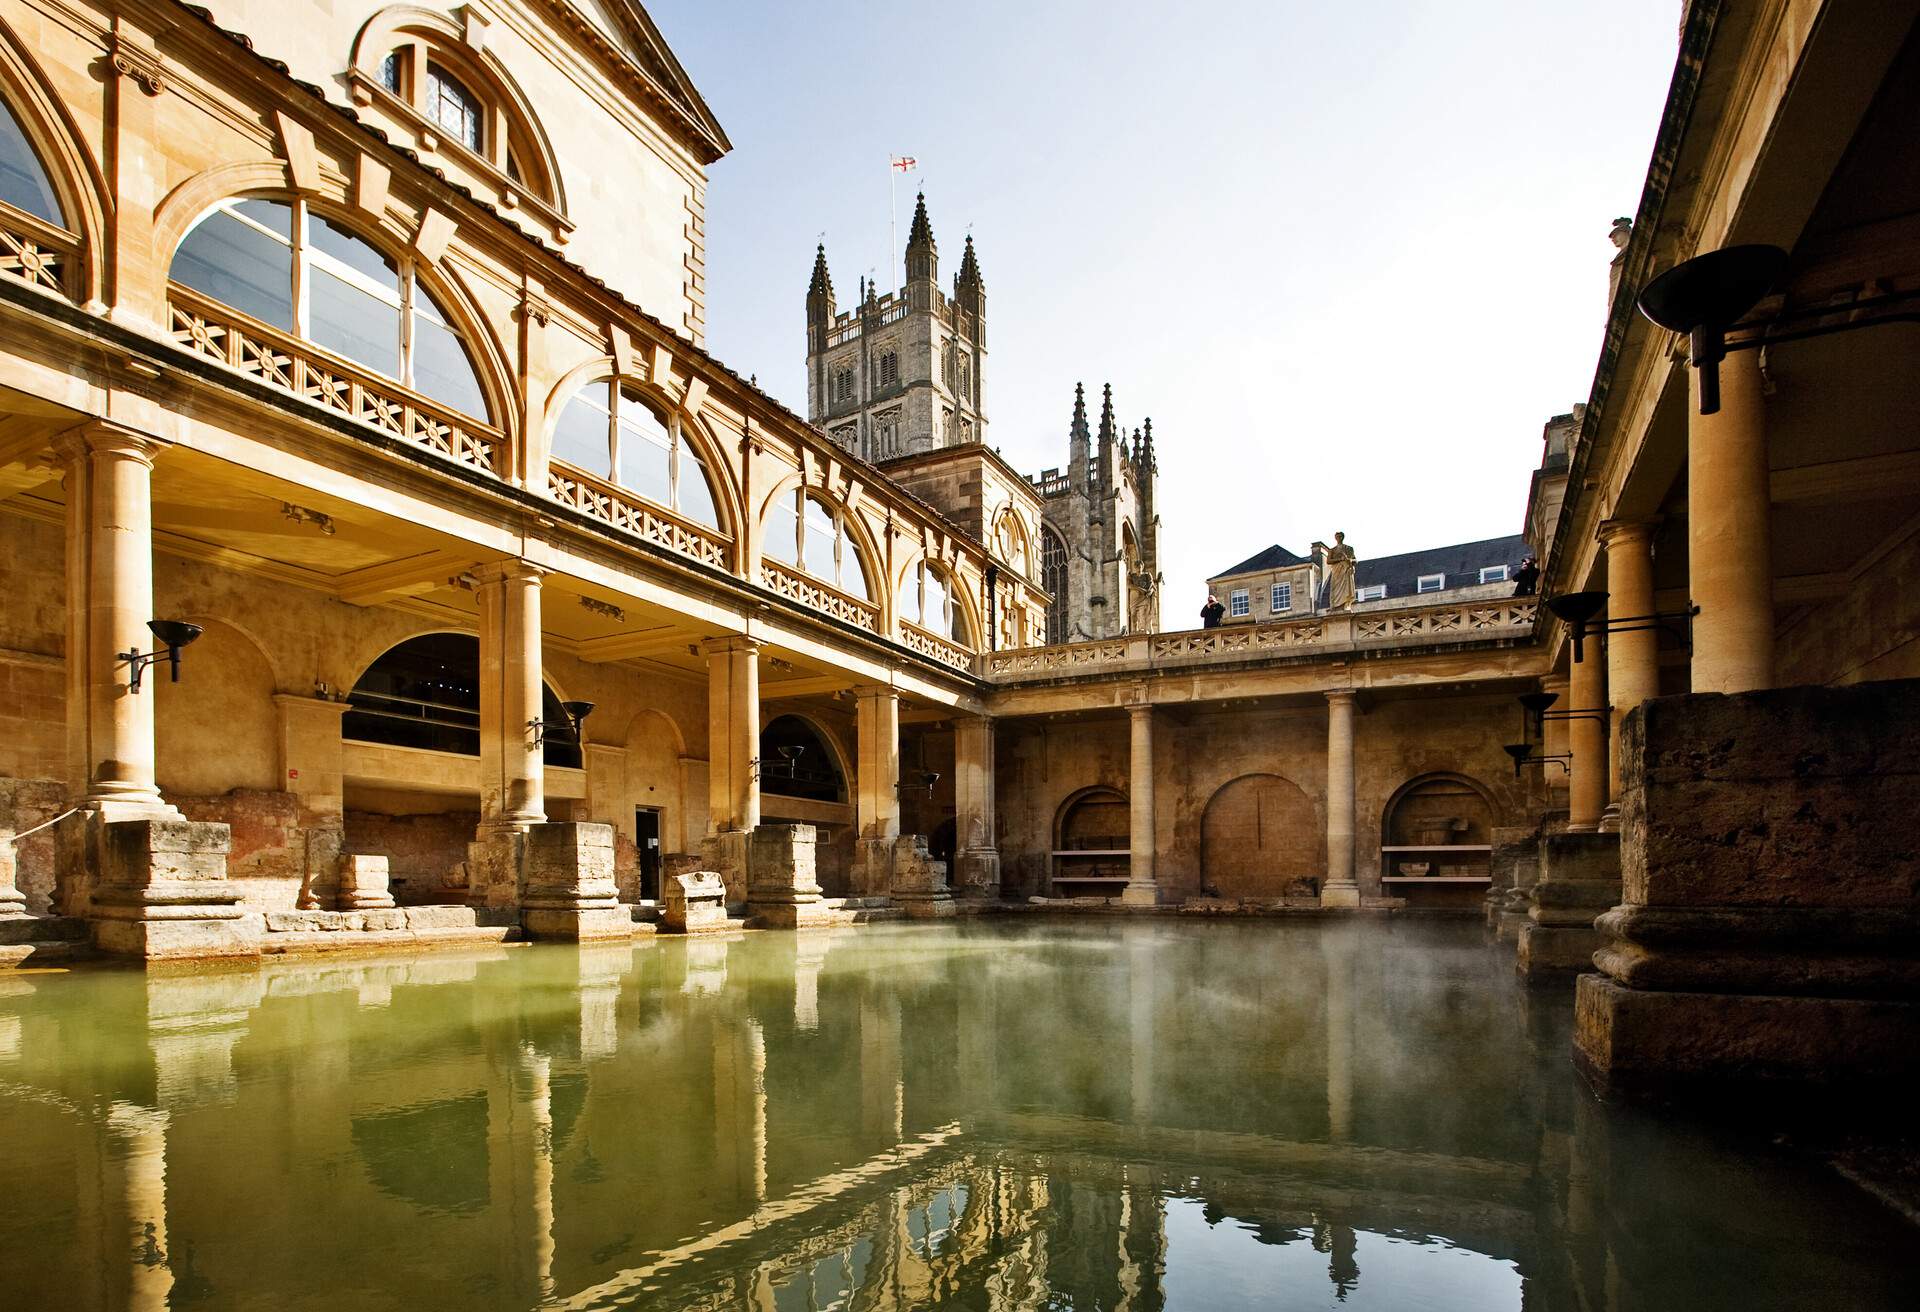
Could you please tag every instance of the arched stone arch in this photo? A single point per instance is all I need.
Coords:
(373, 729)
(1011, 520)
(194, 199)
(1078, 803)
(654, 777)
(1426, 800)
(963, 595)
(225, 695)
(1261, 837)
(483, 69)
(859, 532)
(74, 173)
(721, 483)
(841, 759)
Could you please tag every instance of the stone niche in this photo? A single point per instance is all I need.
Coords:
(1769, 929)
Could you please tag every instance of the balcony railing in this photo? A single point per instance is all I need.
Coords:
(264, 353)
(37, 252)
(1315, 635)
(934, 647)
(786, 581)
(616, 506)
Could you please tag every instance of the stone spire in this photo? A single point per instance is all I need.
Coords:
(1146, 448)
(969, 289)
(1109, 436)
(820, 306)
(923, 257)
(1078, 439)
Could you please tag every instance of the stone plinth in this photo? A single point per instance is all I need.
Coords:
(494, 863)
(920, 882)
(567, 889)
(782, 892)
(694, 903)
(363, 883)
(1769, 929)
(162, 891)
(976, 873)
(13, 903)
(1579, 881)
(725, 853)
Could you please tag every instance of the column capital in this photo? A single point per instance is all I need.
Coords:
(1556, 683)
(1613, 533)
(1342, 696)
(1140, 710)
(506, 571)
(106, 438)
(871, 691)
(730, 643)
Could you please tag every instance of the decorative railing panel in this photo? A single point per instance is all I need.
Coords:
(257, 351)
(612, 505)
(1245, 639)
(785, 581)
(1474, 620)
(1054, 660)
(37, 252)
(935, 647)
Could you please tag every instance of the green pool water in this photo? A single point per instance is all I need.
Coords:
(1011, 1114)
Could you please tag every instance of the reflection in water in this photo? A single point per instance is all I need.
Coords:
(987, 1115)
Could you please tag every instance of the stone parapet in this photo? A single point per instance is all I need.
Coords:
(1769, 930)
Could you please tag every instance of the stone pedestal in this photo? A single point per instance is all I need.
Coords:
(567, 889)
(13, 903)
(494, 862)
(1766, 936)
(782, 892)
(1514, 867)
(1579, 880)
(920, 882)
(363, 883)
(976, 873)
(162, 891)
(694, 903)
(725, 854)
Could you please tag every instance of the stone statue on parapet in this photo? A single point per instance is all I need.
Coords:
(1340, 567)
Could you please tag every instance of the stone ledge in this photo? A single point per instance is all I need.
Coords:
(291, 943)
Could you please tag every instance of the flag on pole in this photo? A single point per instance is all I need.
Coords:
(905, 163)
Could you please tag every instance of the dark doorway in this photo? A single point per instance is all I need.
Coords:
(646, 836)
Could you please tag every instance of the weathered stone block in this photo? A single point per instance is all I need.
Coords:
(363, 883)
(162, 891)
(976, 873)
(782, 891)
(692, 903)
(725, 853)
(567, 885)
(13, 903)
(494, 863)
(441, 917)
(920, 882)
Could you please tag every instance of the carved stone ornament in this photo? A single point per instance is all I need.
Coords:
(137, 62)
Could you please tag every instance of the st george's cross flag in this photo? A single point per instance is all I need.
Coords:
(905, 163)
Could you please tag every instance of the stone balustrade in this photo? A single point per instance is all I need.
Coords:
(1507, 620)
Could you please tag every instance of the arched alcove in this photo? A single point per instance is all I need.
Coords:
(425, 694)
(225, 696)
(1261, 837)
(1092, 843)
(797, 760)
(1436, 835)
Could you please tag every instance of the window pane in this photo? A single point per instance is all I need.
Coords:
(276, 216)
(329, 239)
(853, 576)
(23, 182)
(353, 323)
(645, 451)
(442, 370)
(782, 525)
(696, 495)
(581, 437)
(451, 106)
(239, 265)
(822, 535)
(933, 608)
(390, 72)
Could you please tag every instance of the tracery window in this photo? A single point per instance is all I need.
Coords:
(929, 602)
(24, 183)
(807, 533)
(302, 272)
(1053, 577)
(611, 432)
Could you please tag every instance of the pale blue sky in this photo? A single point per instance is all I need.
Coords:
(1348, 257)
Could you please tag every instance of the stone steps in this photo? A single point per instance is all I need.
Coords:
(31, 941)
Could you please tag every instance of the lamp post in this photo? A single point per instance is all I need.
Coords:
(173, 635)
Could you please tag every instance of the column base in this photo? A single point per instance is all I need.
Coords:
(1609, 820)
(782, 892)
(578, 925)
(1140, 895)
(976, 873)
(1543, 952)
(162, 891)
(179, 940)
(1341, 896)
(567, 888)
(1642, 1043)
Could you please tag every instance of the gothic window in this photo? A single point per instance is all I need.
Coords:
(951, 372)
(299, 271)
(886, 367)
(842, 385)
(846, 435)
(886, 434)
(966, 429)
(611, 432)
(965, 386)
(807, 533)
(1053, 577)
(930, 603)
(425, 694)
(453, 107)
(24, 183)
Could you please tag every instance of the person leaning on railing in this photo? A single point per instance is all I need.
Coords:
(1211, 612)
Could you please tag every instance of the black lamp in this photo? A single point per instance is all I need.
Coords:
(1534, 706)
(928, 778)
(1705, 296)
(788, 766)
(576, 712)
(1577, 609)
(173, 634)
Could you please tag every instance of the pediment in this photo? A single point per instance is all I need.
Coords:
(627, 33)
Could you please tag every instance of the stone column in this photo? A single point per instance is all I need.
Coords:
(139, 1148)
(1587, 741)
(976, 853)
(1341, 889)
(512, 769)
(733, 738)
(312, 768)
(1633, 661)
(1553, 740)
(1729, 533)
(877, 788)
(108, 480)
(1142, 890)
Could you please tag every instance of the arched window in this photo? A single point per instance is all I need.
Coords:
(1010, 542)
(425, 693)
(1053, 577)
(930, 603)
(453, 107)
(286, 266)
(886, 367)
(612, 432)
(24, 183)
(796, 762)
(811, 535)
